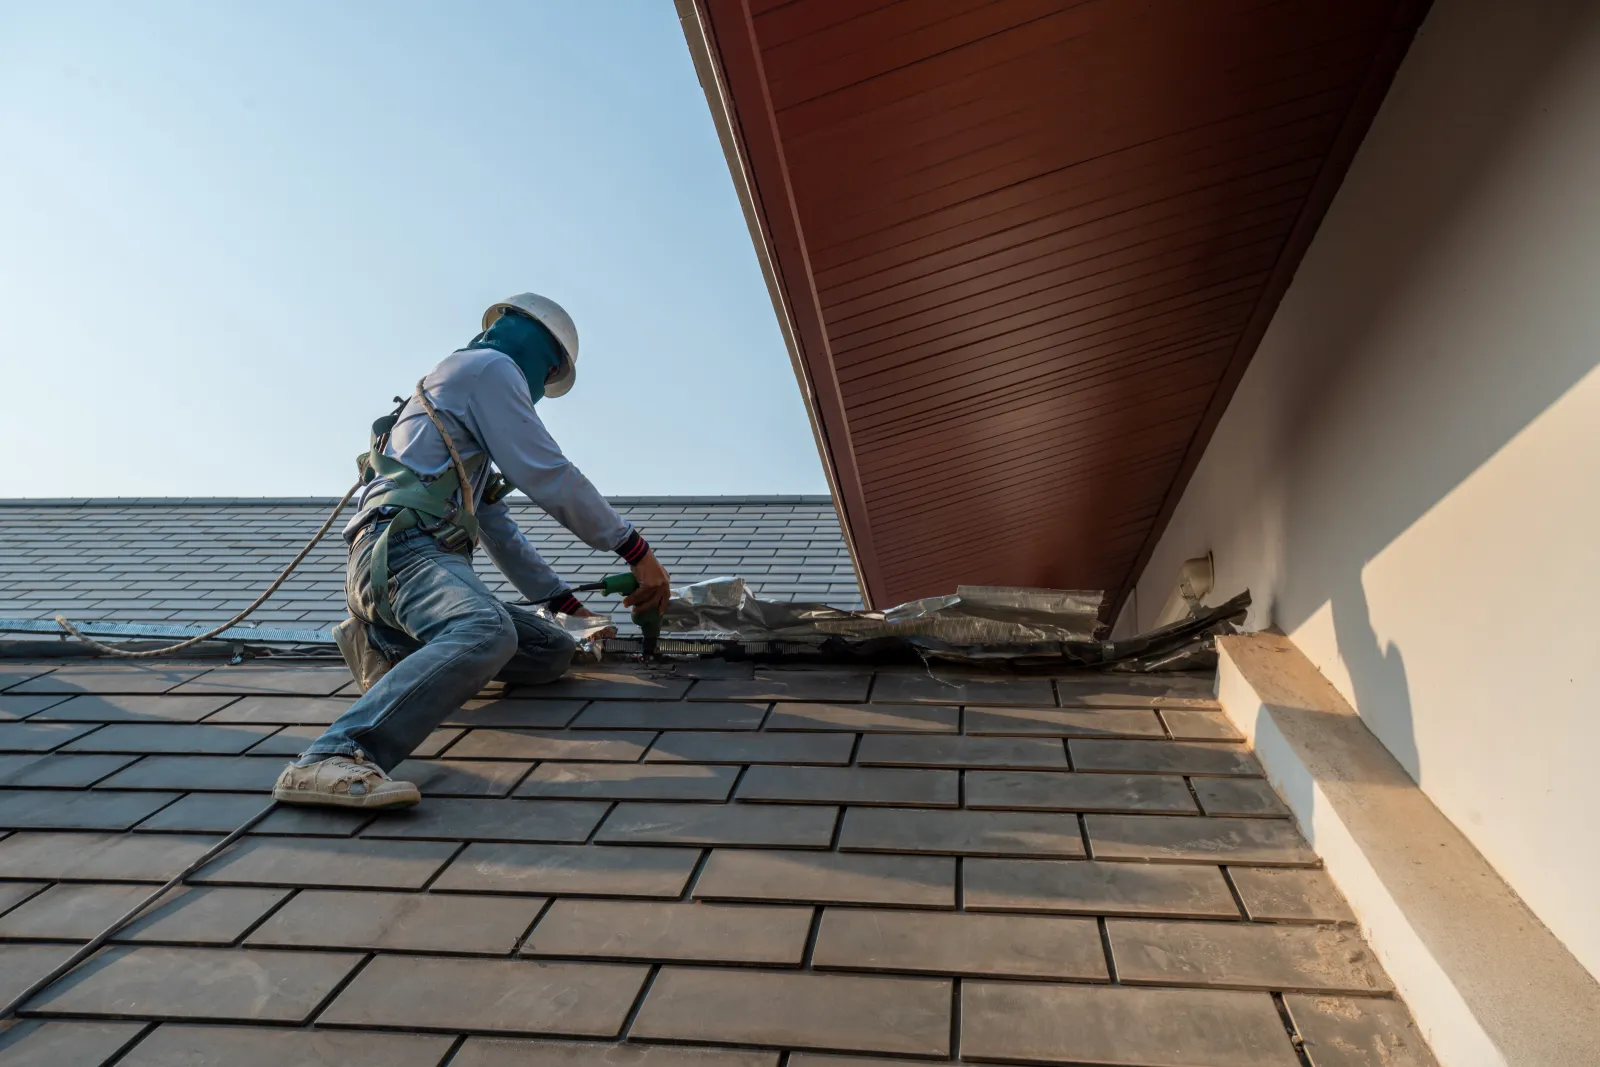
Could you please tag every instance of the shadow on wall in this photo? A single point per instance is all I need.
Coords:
(1377, 670)
(1414, 317)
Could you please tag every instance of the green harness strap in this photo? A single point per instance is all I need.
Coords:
(418, 501)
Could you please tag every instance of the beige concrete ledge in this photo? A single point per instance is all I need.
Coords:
(1488, 984)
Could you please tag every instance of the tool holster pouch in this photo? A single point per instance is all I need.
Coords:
(496, 488)
(420, 504)
(366, 663)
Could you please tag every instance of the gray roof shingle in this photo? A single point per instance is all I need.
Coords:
(200, 560)
(789, 895)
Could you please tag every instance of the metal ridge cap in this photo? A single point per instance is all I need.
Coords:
(279, 501)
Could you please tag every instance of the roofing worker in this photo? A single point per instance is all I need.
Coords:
(414, 599)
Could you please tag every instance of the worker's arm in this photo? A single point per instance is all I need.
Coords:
(518, 443)
(519, 561)
(529, 457)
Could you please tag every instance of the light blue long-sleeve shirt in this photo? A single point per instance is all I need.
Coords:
(483, 400)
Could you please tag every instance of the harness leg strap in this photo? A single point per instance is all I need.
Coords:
(378, 567)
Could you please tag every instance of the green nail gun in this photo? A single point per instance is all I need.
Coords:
(625, 584)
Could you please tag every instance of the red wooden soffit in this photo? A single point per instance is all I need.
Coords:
(730, 32)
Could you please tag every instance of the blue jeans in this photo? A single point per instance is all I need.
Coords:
(455, 637)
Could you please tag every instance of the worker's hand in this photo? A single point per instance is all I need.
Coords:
(584, 613)
(655, 587)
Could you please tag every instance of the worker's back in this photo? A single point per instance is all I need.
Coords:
(483, 400)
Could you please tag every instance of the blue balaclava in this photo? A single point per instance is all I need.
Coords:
(534, 349)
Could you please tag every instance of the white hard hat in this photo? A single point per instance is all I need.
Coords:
(555, 319)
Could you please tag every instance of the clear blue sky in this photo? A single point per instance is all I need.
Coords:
(230, 232)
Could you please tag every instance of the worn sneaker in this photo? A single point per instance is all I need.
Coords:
(366, 663)
(342, 782)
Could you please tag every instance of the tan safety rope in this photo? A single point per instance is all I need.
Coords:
(466, 500)
(455, 457)
(111, 650)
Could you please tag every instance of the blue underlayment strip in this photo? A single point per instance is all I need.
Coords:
(254, 634)
(262, 635)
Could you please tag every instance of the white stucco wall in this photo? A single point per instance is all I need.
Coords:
(1408, 478)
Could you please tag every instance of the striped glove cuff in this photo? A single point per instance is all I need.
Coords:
(564, 602)
(633, 548)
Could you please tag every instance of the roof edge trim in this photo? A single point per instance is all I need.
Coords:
(709, 63)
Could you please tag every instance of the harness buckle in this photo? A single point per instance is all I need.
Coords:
(447, 519)
(453, 540)
(445, 531)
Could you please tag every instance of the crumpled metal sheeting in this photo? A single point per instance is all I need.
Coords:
(977, 624)
(589, 632)
(1186, 645)
(987, 616)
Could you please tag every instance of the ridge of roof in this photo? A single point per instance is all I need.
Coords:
(278, 501)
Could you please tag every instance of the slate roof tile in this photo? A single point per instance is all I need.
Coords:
(667, 863)
(169, 560)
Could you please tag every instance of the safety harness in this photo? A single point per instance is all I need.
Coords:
(420, 504)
